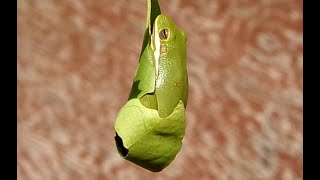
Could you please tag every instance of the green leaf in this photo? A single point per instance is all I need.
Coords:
(142, 136)
(145, 75)
(146, 139)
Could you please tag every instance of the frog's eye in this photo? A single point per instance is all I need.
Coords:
(164, 34)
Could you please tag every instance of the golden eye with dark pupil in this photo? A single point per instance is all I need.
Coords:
(164, 33)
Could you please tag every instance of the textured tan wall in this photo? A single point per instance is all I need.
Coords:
(77, 59)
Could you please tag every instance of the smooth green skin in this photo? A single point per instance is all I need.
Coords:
(151, 124)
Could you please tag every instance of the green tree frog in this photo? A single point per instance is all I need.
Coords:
(151, 125)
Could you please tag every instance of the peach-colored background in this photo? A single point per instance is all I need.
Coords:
(77, 59)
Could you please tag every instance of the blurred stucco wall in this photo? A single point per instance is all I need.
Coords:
(77, 59)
